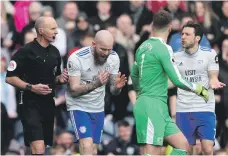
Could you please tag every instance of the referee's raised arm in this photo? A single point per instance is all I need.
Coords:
(35, 70)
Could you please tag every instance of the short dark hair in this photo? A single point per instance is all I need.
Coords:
(161, 19)
(60, 133)
(87, 35)
(123, 123)
(187, 15)
(196, 26)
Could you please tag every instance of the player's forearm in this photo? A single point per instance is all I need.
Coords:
(213, 75)
(170, 84)
(135, 76)
(113, 89)
(177, 79)
(183, 84)
(82, 89)
(135, 83)
(57, 80)
(16, 82)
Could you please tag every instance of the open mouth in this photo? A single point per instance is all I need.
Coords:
(103, 57)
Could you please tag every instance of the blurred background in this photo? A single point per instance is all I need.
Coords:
(130, 24)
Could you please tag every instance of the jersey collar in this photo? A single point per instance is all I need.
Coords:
(159, 38)
(38, 44)
(194, 54)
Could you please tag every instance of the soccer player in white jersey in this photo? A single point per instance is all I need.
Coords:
(90, 68)
(197, 64)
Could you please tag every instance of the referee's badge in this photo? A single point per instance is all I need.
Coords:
(12, 66)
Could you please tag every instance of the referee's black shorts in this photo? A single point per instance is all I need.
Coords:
(37, 117)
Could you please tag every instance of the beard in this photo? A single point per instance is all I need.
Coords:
(188, 46)
(99, 60)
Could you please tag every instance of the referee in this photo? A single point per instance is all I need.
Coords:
(35, 69)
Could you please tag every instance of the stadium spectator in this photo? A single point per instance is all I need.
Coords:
(29, 36)
(66, 140)
(57, 150)
(61, 41)
(104, 16)
(34, 14)
(122, 144)
(222, 111)
(209, 22)
(224, 18)
(67, 21)
(82, 28)
(140, 14)
(120, 101)
(8, 95)
(6, 130)
(126, 36)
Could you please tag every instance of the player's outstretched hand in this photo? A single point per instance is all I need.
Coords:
(216, 84)
(120, 80)
(41, 89)
(202, 91)
(103, 78)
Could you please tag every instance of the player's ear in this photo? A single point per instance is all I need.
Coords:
(93, 44)
(170, 28)
(198, 38)
(41, 31)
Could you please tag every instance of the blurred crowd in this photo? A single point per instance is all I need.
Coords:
(130, 23)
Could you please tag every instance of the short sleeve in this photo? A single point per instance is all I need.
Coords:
(213, 61)
(74, 66)
(115, 64)
(17, 64)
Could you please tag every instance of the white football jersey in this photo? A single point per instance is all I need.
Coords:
(81, 63)
(195, 68)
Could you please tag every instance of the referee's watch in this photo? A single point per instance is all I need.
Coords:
(28, 87)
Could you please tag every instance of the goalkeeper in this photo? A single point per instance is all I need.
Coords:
(153, 65)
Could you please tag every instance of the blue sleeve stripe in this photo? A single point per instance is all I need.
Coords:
(84, 52)
(113, 53)
(205, 49)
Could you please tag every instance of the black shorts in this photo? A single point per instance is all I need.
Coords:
(37, 117)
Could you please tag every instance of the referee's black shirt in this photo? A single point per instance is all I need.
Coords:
(36, 64)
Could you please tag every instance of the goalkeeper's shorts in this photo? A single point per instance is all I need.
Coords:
(153, 122)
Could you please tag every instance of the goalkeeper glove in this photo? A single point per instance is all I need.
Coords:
(202, 91)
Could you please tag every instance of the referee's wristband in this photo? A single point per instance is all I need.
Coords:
(28, 87)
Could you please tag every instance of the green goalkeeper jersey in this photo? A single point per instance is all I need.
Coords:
(154, 63)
